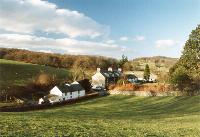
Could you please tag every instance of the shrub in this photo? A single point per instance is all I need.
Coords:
(181, 79)
(45, 80)
(144, 87)
(85, 83)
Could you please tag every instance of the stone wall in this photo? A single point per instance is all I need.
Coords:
(144, 93)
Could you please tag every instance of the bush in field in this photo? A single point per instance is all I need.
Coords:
(45, 80)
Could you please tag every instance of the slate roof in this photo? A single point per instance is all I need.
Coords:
(70, 88)
(111, 74)
(130, 76)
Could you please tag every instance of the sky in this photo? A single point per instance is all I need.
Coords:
(135, 28)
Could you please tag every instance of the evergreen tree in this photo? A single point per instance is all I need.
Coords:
(189, 61)
(147, 72)
(190, 58)
(123, 60)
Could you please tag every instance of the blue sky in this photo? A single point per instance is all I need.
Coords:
(135, 28)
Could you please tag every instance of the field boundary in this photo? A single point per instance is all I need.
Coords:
(24, 108)
(145, 93)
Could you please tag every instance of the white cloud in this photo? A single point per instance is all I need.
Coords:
(136, 38)
(110, 41)
(166, 43)
(139, 38)
(46, 51)
(124, 38)
(29, 16)
(65, 45)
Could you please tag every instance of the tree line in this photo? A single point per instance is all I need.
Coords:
(57, 60)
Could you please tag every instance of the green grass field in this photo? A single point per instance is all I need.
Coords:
(116, 116)
(19, 73)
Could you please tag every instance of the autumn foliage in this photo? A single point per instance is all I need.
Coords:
(156, 87)
(57, 60)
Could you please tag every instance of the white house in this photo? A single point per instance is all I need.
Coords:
(55, 91)
(64, 92)
(72, 91)
(98, 79)
(103, 78)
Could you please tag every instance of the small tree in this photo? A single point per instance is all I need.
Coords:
(182, 79)
(85, 83)
(123, 60)
(147, 72)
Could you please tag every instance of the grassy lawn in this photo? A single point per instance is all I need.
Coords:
(19, 73)
(110, 116)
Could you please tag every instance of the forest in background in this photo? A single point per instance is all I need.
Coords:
(57, 60)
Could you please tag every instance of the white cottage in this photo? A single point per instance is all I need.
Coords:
(72, 91)
(64, 92)
(103, 78)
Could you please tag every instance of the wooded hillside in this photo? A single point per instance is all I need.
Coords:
(57, 60)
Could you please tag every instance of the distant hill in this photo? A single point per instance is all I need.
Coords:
(159, 65)
(155, 58)
(156, 63)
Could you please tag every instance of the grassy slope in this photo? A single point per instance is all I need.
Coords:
(18, 73)
(110, 116)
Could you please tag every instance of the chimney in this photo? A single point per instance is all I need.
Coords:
(98, 69)
(119, 69)
(110, 69)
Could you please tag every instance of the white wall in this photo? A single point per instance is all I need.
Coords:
(81, 93)
(72, 95)
(98, 80)
(56, 91)
(40, 101)
(75, 94)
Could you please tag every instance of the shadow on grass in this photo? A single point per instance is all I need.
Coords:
(126, 107)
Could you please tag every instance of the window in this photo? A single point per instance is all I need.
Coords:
(70, 93)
